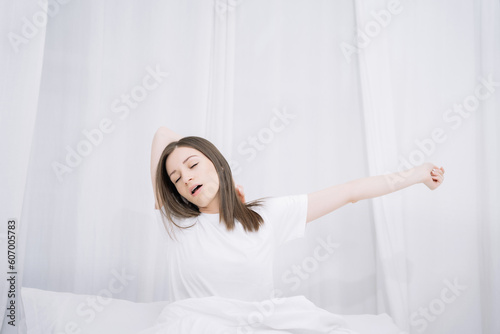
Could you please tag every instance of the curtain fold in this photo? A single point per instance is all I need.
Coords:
(21, 57)
(220, 103)
(110, 79)
(488, 53)
(381, 142)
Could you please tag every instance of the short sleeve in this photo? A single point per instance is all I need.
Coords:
(287, 215)
(160, 222)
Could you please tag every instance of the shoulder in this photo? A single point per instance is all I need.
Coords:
(181, 221)
(284, 201)
(287, 215)
(279, 205)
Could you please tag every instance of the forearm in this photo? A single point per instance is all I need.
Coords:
(375, 186)
(161, 139)
(329, 199)
(166, 135)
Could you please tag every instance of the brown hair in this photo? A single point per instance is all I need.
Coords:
(230, 206)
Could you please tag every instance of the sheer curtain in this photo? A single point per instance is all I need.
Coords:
(19, 91)
(298, 96)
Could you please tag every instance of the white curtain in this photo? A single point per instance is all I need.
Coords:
(298, 95)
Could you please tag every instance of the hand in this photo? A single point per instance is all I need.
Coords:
(240, 193)
(432, 176)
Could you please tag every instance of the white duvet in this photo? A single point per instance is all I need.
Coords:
(56, 312)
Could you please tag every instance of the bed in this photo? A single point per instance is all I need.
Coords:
(61, 312)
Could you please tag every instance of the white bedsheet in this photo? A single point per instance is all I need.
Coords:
(57, 312)
(217, 315)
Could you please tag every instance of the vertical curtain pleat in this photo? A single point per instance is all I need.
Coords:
(21, 58)
(219, 125)
(381, 143)
(488, 54)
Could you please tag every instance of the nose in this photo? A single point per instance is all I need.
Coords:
(187, 178)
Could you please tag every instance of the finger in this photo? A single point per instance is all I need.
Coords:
(437, 179)
(438, 175)
(437, 172)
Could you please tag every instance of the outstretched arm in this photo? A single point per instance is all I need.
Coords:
(327, 200)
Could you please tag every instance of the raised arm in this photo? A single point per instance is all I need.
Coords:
(161, 139)
(327, 200)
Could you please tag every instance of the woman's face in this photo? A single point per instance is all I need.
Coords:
(195, 178)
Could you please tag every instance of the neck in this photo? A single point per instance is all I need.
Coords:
(212, 207)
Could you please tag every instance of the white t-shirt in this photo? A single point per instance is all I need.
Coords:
(208, 260)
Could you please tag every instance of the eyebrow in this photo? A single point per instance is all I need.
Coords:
(194, 155)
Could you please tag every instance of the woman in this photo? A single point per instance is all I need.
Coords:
(220, 256)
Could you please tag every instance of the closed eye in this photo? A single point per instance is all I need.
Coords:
(180, 177)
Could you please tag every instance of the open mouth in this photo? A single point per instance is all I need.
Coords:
(196, 190)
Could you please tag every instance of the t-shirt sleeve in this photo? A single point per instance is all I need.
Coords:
(287, 215)
(160, 221)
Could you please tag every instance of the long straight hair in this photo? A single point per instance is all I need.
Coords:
(230, 206)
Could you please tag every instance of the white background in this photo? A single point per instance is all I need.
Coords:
(233, 67)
